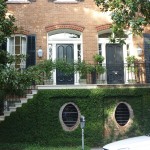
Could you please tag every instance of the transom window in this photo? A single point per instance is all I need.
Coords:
(122, 114)
(108, 35)
(104, 35)
(64, 35)
(16, 46)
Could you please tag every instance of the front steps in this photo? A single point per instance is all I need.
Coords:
(16, 105)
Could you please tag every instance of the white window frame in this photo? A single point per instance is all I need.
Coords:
(18, 1)
(65, 1)
(51, 43)
(23, 47)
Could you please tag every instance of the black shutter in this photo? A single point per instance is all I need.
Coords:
(31, 50)
(3, 46)
(147, 56)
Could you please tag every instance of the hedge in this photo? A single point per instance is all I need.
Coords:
(38, 120)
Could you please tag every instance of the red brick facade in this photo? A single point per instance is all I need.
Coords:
(64, 26)
(103, 27)
(43, 16)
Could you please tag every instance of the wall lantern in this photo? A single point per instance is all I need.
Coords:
(139, 51)
(82, 123)
(40, 52)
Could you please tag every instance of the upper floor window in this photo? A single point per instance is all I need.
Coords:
(65, 35)
(18, 1)
(65, 1)
(17, 45)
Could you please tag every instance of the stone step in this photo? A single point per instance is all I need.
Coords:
(2, 118)
(23, 100)
(34, 91)
(7, 113)
(12, 108)
(29, 96)
(18, 104)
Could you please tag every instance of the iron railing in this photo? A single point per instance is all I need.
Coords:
(114, 74)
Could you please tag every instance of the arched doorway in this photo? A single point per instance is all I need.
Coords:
(115, 56)
(65, 44)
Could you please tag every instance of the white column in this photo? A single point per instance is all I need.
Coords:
(104, 63)
(76, 75)
(53, 59)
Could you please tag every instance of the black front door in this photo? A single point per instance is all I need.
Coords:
(65, 52)
(114, 64)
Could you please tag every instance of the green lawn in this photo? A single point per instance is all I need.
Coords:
(36, 147)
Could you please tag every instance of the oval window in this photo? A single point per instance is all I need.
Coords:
(69, 116)
(122, 114)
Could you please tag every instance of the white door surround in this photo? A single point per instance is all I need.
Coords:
(64, 36)
(127, 48)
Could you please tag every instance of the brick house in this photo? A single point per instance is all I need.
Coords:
(75, 30)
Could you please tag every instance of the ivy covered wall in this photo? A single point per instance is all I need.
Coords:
(38, 120)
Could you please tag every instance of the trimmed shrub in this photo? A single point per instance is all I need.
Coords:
(38, 120)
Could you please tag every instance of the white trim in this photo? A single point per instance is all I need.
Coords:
(74, 41)
(66, 1)
(22, 44)
(18, 1)
(104, 41)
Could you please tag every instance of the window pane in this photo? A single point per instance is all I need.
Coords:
(64, 35)
(17, 45)
(11, 45)
(23, 45)
(104, 35)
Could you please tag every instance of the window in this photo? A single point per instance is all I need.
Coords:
(104, 35)
(65, 1)
(18, 1)
(64, 35)
(16, 46)
(122, 114)
(69, 116)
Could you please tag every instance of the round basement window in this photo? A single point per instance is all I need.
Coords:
(69, 116)
(122, 114)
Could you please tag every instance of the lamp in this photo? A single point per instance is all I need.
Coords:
(139, 51)
(40, 52)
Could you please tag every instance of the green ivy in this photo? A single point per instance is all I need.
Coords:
(38, 120)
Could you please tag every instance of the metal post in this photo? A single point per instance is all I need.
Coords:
(82, 123)
(82, 139)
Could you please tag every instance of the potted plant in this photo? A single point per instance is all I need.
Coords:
(130, 60)
(131, 68)
(65, 67)
(98, 59)
(82, 68)
(45, 68)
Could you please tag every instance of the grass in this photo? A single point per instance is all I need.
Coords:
(36, 147)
